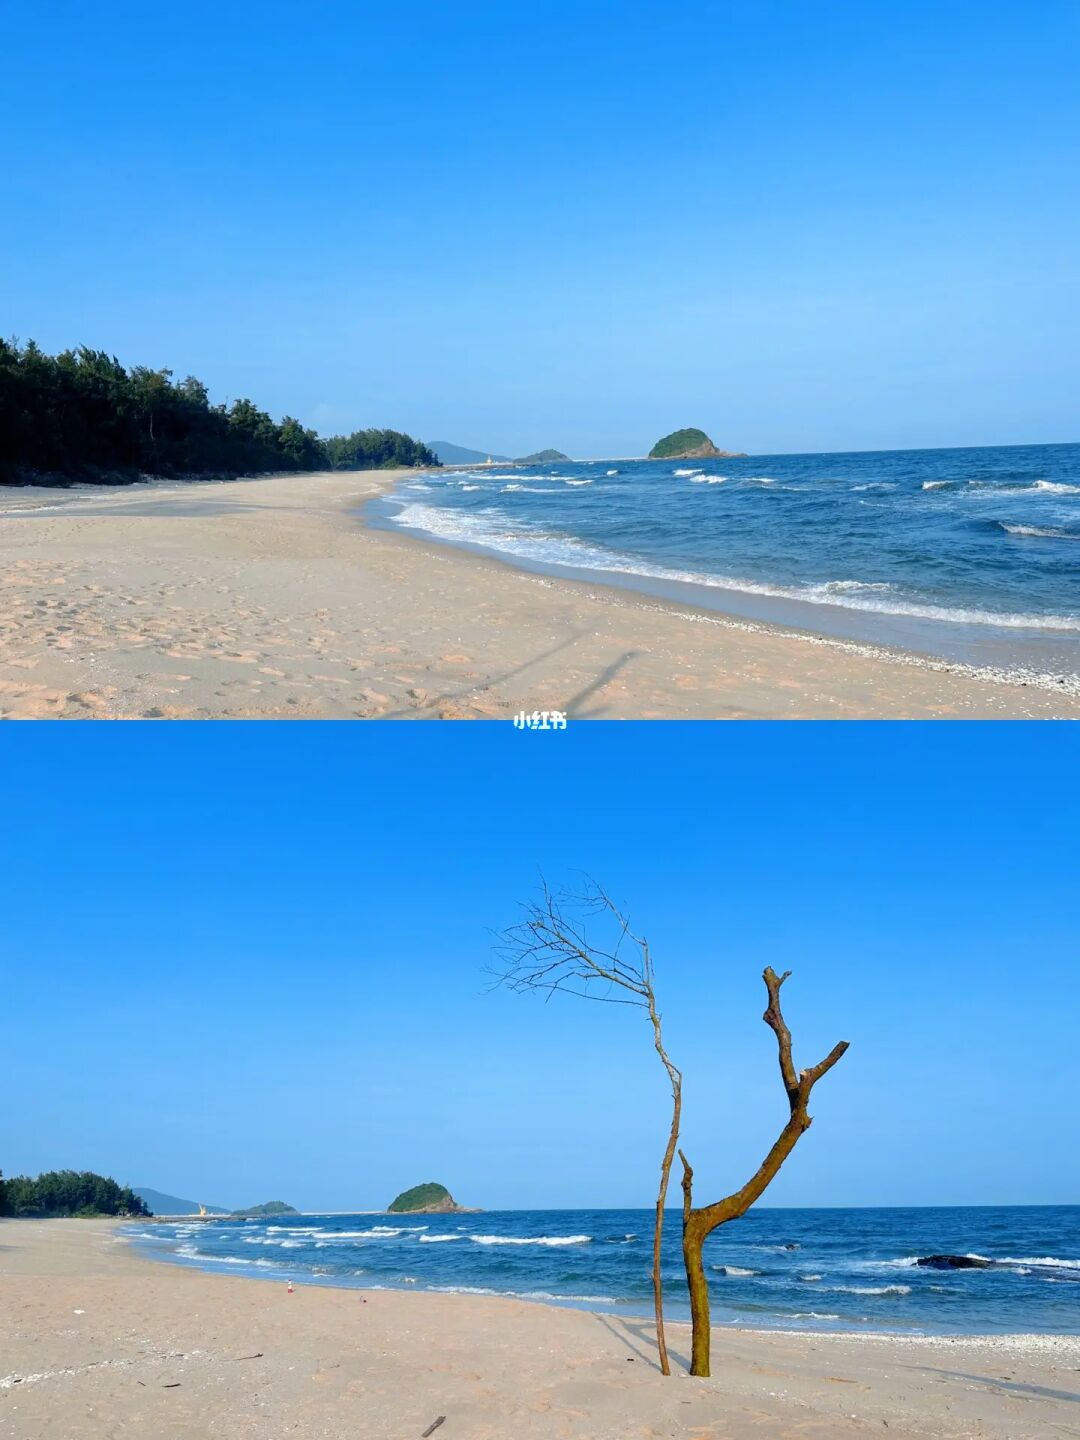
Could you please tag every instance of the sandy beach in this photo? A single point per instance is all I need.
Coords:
(96, 1341)
(270, 599)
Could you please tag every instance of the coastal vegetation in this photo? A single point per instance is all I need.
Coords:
(81, 415)
(554, 949)
(57, 1193)
(542, 457)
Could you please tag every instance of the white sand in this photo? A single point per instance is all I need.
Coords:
(268, 598)
(97, 1343)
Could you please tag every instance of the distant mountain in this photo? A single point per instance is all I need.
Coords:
(162, 1204)
(543, 457)
(689, 444)
(458, 454)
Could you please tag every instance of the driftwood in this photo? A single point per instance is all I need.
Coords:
(433, 1427)
(700, 1222)
(551, 951)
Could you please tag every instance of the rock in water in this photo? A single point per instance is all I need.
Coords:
(954, 1262)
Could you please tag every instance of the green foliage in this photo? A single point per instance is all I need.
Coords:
(678, 441)
(376, 450)
(272, 1207)
(81, 415)
(68, 1192)
(543, 457)
(419, 1197)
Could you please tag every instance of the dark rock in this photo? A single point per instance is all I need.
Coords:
(953, 1262)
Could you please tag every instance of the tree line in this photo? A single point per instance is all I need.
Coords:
(58, 1193)
(83, 415)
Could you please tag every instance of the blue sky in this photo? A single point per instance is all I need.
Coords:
(578, 223)
(248, 962)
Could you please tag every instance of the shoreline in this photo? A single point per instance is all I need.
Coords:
(636, 584)
(97, 1339)
(270, 598)
(1018, 1341)
(944, 642)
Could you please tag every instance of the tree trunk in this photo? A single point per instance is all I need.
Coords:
(699, 1224)
(693, 1240)
(658, 1232)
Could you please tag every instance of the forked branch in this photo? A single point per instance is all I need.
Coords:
(699, 1223)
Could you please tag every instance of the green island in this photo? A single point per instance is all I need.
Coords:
(59, 1193)
(688, 444)
(81, 415)
(429, 1197)
(541, 457)
(270, 1207)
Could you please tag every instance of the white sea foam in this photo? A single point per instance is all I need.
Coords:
(1041, 532)
(935, 484)
(1040, 1261)
(611, 472)
(733, 1270)
(438, 1239)
(377, 1232)
(488, 530)
(856, 587)
(530, 1239)
(708, 480)
(987, 489)
(578, 482)
(471, 487)
(869, 1289)
(687, 472)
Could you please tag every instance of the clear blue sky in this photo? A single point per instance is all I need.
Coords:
(248, 962)
(578, 223)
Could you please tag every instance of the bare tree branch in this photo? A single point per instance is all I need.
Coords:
(699, 1223)
(551, 951)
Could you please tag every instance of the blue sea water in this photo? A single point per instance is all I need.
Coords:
(812, 1269)
(967, 555)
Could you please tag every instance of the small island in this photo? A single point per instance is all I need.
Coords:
(542, 457)
(270, 1207)
(427, 1199)
(689, 444)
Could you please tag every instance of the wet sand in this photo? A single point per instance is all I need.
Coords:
(270, 599)
(96, 1342)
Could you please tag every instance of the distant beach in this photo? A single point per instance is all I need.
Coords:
(271, 598)
(96, 1340)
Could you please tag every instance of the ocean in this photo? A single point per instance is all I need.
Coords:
(971, 556)
(790, 1269)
